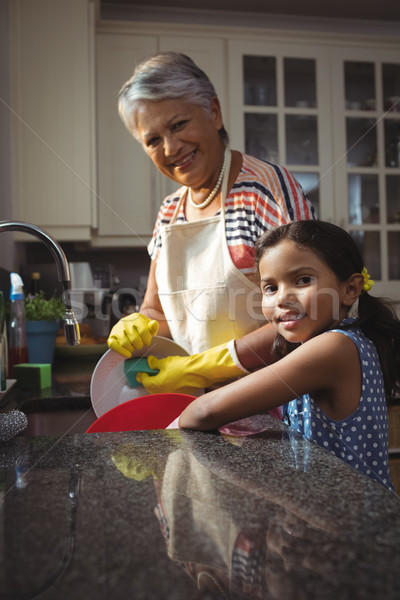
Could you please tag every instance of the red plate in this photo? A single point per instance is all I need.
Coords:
(155, 411)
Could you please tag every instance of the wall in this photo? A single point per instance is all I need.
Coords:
(7, 249)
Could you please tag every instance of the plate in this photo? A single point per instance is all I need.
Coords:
(154, 411)
(81, 351)
(108, 387)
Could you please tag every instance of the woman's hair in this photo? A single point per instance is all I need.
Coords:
(166, 76)
(337, 249)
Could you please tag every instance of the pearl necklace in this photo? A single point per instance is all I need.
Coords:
(214, 192)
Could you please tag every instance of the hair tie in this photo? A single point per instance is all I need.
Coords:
(368, 282)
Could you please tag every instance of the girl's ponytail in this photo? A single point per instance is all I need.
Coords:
(378, 321)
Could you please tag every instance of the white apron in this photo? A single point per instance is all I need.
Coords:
(206, 300)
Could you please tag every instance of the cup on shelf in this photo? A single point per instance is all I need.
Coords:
(370, 104)
(350, 105)
(392, 104)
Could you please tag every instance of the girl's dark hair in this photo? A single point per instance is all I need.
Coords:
(338, 250)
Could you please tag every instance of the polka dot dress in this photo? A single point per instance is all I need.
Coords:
(362, 438)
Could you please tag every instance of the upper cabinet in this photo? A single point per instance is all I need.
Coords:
(130, 189)
(52, 115)
(127, 179)
(332, 116)
(280, 111)
(326, 107)
(367, 157)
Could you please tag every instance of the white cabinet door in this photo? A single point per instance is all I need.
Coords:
(280, 111)
(367, 157)
(130, 188)
(52, 115)
(127, 189)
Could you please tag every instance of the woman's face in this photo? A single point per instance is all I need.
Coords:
(301, 295)
(181, 139)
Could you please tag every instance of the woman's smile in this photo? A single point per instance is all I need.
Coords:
(182, 140)
(184, 163)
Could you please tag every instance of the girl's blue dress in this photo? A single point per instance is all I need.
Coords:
(362, 438)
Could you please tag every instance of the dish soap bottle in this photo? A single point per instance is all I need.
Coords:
(3, 345)
(35, 283)
(18, 347)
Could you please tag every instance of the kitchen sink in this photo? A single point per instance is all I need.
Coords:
(57, 416)
(59, 422)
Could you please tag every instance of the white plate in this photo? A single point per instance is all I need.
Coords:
(109, 387)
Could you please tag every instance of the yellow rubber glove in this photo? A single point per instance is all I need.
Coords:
(182, 374)
(132, 333)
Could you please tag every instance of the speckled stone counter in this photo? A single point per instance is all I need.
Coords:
(190, 515)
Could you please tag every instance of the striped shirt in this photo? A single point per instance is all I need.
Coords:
(263, 196)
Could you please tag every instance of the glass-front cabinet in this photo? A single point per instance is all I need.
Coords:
(331, 116)
(367, 158)
(280, 94)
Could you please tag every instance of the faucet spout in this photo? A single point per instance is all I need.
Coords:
(71, 326)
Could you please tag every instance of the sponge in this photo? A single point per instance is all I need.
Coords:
(133, 366)
(33, 376)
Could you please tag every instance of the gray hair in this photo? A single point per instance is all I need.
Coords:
(165, 76)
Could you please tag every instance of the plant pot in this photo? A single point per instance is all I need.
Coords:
(41, 340)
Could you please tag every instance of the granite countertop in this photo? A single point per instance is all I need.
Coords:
(190, 515)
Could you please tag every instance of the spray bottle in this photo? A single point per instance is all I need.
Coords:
(17, 345)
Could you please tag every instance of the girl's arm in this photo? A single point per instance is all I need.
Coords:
(255, 350)
(327, 366)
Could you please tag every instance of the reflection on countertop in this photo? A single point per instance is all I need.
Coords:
(189, 515)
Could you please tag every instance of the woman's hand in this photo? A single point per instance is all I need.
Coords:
(183, 374)
(132, 333)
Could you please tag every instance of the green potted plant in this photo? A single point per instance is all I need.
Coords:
(43, 320)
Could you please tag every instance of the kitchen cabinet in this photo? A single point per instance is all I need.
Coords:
(127, 180)
(52, 116)
(332, 116)
(324, 106)
(394, 443)
(366, 142)
(130, 189)
(281, 106)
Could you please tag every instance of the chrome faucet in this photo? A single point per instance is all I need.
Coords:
(71, 326)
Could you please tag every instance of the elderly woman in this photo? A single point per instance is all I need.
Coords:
(200, 290)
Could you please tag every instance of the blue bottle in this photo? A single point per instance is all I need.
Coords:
(17, 343)
(3, 345)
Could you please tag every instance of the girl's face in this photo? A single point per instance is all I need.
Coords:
(182, 140)
(301, 295)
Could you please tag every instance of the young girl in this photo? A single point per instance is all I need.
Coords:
(336, 371)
